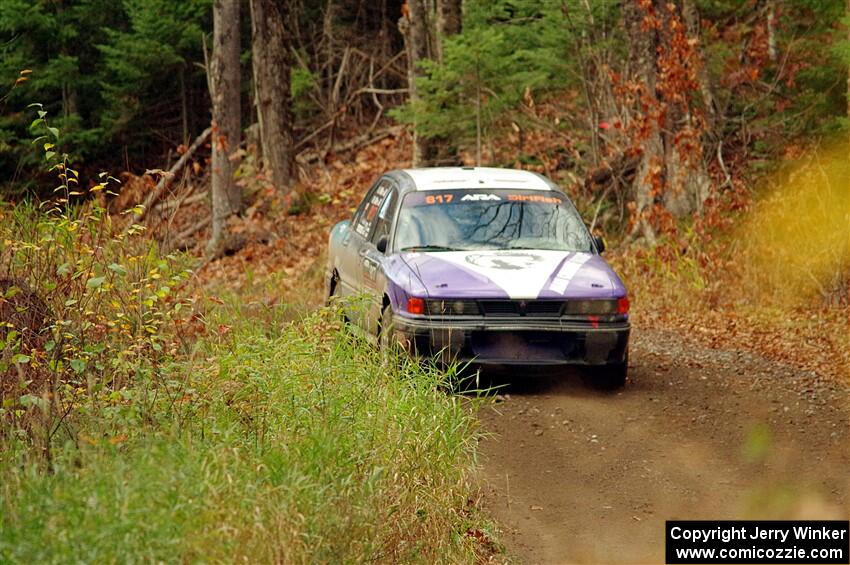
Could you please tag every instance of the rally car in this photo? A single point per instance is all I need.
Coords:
(482, 265)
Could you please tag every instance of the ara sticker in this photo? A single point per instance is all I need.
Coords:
(479, 197)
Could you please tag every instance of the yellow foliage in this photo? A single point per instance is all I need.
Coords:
(796, 243)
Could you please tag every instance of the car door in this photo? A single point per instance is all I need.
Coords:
(373, 279)
(348, 259)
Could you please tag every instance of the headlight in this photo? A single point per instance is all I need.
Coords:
(453, 308)
(590, 307)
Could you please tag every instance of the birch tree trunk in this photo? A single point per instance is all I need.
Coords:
(771, 31)
(272, 67)
(226, 116)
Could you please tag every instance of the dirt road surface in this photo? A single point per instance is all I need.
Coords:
(575, 475)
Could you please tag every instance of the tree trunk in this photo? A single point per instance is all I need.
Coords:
(448, 22)
(272, 65)
(670, 128)
(184, 106)
(423, 40)
(771, 31)
(450, 17)
(687, 182)
(642, 60)
(414, 26)
(227, 122)
(691, 17)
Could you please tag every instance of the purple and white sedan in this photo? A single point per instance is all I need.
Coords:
(482, 265)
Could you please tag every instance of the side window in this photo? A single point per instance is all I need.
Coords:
(358, 215)
(365, 220)
(385, 216)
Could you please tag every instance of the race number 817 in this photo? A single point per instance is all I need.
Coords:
(439, 199)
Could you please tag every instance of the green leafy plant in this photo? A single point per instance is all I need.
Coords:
(90, 306)
(505, 52)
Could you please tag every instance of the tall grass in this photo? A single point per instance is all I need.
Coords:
(139, 425)
(773, 276)
(291, 443)
(789, 249)
(796, 243)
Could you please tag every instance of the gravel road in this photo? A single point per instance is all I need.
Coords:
(575, 475)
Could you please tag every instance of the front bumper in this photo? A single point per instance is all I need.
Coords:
(515, 340)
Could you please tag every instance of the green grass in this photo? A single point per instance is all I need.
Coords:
(275, 441)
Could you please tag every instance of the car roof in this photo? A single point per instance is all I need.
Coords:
(452, 178)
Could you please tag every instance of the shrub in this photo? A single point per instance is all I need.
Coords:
(91, 309)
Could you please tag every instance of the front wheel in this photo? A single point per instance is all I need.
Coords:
(335, 298)
(609, 377)
(334, 290)
(386, 332)
(388, 344)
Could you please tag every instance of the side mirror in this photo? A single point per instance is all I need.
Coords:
(599, 241)
(382, 244)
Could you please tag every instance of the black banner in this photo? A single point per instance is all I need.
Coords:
(758, 541)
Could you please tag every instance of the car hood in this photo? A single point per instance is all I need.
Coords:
(516, 274)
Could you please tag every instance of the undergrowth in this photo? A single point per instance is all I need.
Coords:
(772, 277)
(290, 443)
(87, 311)
(144, 420)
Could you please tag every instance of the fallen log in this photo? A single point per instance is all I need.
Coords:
(182, 241)
(307, 157)
(621, 169)
(173, 205)
(165, 182)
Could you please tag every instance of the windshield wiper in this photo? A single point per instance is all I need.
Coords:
(537, 248)
(428, 248)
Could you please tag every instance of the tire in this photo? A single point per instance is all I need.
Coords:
(333, 291)
(335, 299)
(609, 377)
(386, 331)
(388, 346)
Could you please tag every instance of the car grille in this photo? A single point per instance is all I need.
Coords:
(521, 307)
(533, 308)
(500, 308)
(544, 308)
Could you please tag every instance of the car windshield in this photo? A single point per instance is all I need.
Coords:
(465, 220)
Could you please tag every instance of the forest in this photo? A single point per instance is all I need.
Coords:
(174, 385)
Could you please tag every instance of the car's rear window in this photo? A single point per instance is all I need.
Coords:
(490, 219)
